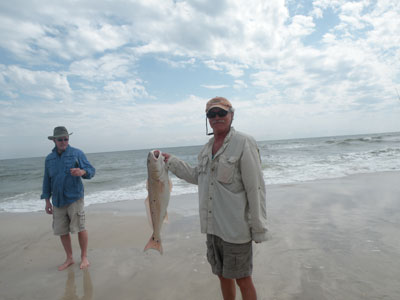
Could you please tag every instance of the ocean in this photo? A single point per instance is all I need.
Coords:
(121, 175)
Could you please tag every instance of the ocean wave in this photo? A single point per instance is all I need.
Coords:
(283, 146)
(29, 202)
(23, 202)
(291, 170)
(387, 151)
(283, 162)
(374, 139)
(359, 140)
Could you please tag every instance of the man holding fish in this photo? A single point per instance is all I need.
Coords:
(232, 202)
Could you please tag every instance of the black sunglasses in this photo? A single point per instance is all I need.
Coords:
(212, 114)
(60, 140)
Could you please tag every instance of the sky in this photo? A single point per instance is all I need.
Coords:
(136, 74)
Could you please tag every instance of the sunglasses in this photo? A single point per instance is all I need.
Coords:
(60, 140)
(212, 114)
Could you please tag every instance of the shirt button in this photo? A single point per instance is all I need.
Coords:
(209, 211)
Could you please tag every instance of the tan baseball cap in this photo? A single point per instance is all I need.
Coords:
(220, 102)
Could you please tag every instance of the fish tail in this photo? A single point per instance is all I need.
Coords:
(154, 244)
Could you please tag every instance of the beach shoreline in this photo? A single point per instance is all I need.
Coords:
(330, 239)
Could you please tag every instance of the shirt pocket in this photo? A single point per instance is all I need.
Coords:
(69, 163)
(226, 168)
(203, 162)
(52, 167)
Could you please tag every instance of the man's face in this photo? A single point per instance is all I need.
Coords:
(220, 120)
(61, 143)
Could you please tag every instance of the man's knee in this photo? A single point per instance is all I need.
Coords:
(226, 280)
(244, 282)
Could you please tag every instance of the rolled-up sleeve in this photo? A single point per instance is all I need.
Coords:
(255, 190)
(84, 164)
(182, 170)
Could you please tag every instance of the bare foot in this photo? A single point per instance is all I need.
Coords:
(66, 264)
(85, 263)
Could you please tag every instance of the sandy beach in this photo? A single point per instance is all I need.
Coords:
(329, 239)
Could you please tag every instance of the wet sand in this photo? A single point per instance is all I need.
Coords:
(331, 239)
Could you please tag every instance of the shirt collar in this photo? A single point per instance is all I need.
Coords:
(224, 145)
(55, 150)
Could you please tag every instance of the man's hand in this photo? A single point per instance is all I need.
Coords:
(77, 172)
(166, 156)
(49, 207)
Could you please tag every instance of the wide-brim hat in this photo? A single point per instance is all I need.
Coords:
(59, 131)
(220, 102)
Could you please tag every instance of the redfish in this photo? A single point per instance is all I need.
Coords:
(159, 188)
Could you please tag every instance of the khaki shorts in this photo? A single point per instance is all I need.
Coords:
(229, 260)
(69, 218)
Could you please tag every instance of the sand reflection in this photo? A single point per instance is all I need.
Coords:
(70, 287)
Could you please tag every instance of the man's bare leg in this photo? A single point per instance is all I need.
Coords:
(83, 243)
(66, 242)
(247, 288)
(228, 288)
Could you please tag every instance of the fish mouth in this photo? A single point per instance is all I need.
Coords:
(156, 154)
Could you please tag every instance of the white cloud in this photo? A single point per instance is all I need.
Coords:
(239, 84)
(233, 69)
(40, 84)
(100, 64)
(86, 38)
(301, 26)
(215, 87)
(178, 63)
(125, 91)
(109, 66)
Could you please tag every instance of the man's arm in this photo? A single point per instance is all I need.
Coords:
(87, 170)
(181, 169)
(46, 190)
(254, 184)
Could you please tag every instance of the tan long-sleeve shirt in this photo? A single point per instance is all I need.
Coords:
(232, 203)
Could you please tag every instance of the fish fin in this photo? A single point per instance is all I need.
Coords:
(166, 218)
(153, 244)
(148, 212)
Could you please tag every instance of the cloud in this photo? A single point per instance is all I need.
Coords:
(215, 87)
(239, 84)
(149, 64)
(233, 69)
(15, 81)
(106, 67)
(178, 63)
(125, 91)
(301, 26)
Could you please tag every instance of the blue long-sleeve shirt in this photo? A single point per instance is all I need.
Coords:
(58, 183)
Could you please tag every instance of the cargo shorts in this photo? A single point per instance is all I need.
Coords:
(229, 260)
(69, 218)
